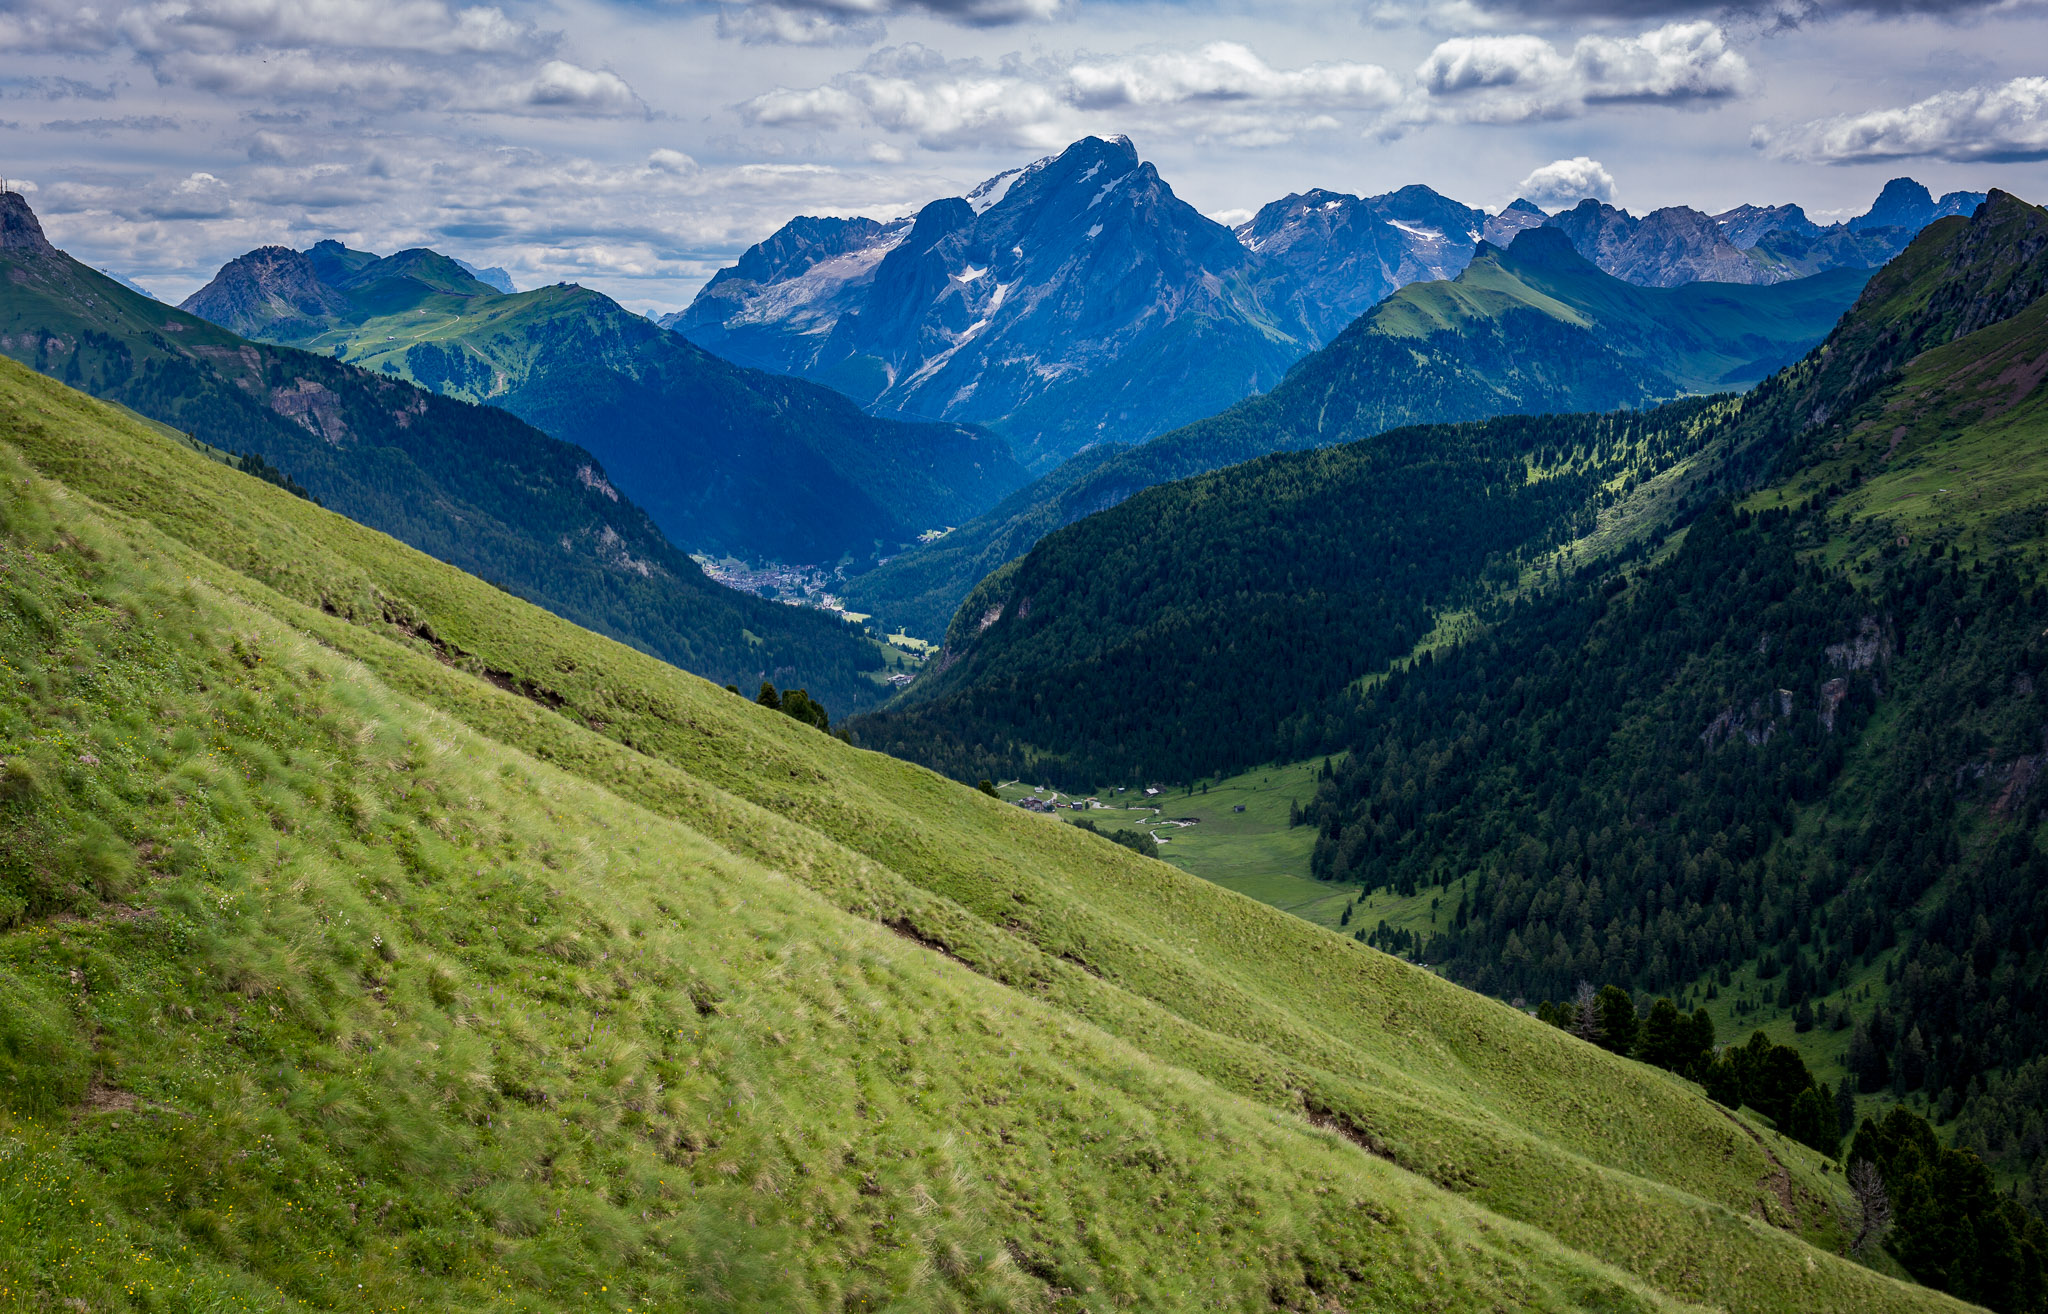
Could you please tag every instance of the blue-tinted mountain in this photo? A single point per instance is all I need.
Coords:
(726, 459)
(1074, 301)
(1907, 204)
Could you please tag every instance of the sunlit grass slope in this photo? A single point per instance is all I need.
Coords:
(377, 940)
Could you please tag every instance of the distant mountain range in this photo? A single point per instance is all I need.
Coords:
(1073, 301)
(1079, 301)
(1751, 243)
(1534, 328)
(471, 485)
(726, 459)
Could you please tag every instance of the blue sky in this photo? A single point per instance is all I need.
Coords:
(635, 147)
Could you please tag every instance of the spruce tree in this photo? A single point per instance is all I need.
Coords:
(1617, 1020)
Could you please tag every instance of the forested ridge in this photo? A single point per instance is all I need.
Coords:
(1797, 761)
(1201, 625)
(1787, 761)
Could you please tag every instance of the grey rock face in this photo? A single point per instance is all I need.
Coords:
(1500, 230)
(271, 284)
(1665, 248)
(1332, 257)
(494, 277)
(20, 230)
(1072, 300)
(1746, 225)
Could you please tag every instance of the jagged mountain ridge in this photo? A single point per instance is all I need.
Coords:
(1330, 257)
(473, 486)
(725, 458)
(1752, 243)
(1014, 307)
(1074, 301)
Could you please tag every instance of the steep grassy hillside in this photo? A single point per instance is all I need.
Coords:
(471, 485)
(422, 951)
(1530, 330)
(725, 459)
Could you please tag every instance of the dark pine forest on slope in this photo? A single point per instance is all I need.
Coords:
(471, 485)
(1204, 625)
(1812, 755)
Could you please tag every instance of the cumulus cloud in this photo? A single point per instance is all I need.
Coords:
(1512, 79)
(1225, 70)
(1563, 183)
(561, 85)
(54, 27)
(372, 55)
(672, 161)
(427, 26)
(859, 22)
(196, 196)
(1237, 97)
(1470, 14)
(2005, 122)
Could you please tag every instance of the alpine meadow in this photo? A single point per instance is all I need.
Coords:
(1023, 657)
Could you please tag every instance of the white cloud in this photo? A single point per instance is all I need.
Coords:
(43, 28)
(387, 82)
(1563, 183)
(1222, 91)
(1225, 70)
(1512, 79)
(2005, 122)
(196, 196)
(773, 25)
(426, 26)
(561, 85)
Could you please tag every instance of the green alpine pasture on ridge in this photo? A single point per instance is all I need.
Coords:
(375, 940)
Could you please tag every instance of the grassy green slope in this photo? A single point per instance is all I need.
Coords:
(332, 816)
(1530, 330)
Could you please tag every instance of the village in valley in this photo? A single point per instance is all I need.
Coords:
(813, 586)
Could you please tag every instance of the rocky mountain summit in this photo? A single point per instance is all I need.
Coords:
(1332, 257)
(1069, 301)
(1078, 300)
(1751, 243)
(1073, 301)
(1665, 248)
